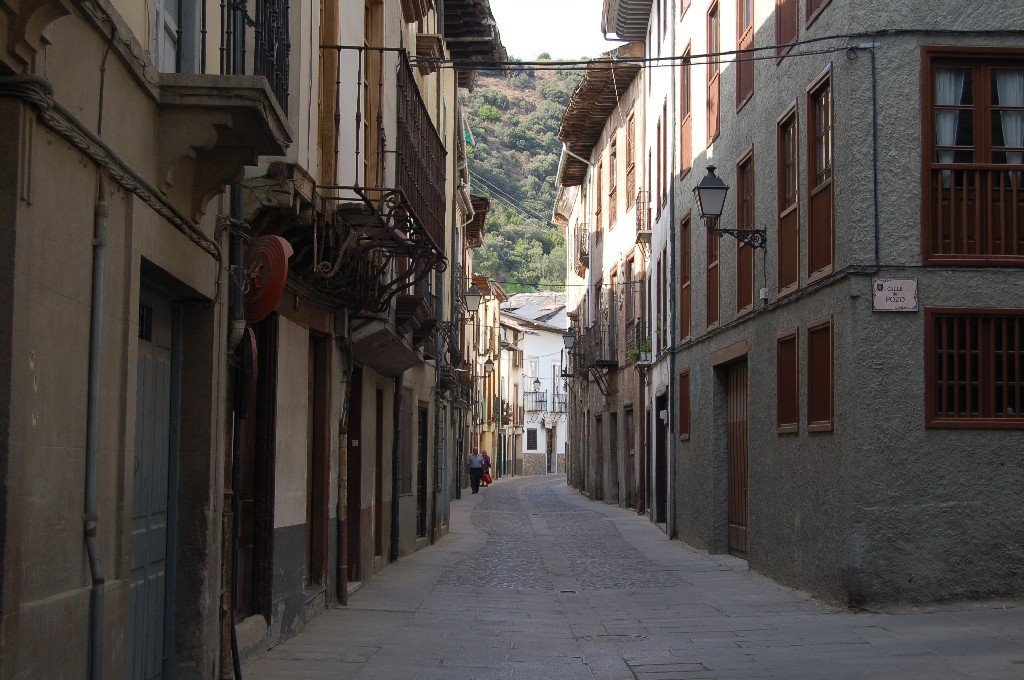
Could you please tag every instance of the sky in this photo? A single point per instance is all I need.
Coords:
(565, 29)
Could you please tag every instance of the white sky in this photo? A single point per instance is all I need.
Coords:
(565, 29)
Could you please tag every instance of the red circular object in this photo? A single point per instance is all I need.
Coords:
(266, 270)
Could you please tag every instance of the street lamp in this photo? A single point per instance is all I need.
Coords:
(536, 385)
(569, 339)
(489, 366)
(472, 298)
(710, 196)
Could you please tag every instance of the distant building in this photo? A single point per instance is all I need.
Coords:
(543, 321)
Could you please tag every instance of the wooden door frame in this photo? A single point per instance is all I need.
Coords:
(319, 458)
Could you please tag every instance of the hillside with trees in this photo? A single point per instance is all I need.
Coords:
(513, 124)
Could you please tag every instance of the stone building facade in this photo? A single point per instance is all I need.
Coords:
(795, 418)
(244, 456)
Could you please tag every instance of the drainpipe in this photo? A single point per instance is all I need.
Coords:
(671, 491)
(236, 330)
(99, 247)
(395, 452)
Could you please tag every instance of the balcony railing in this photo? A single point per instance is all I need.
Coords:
(379, 238)
(976, 211)
(559, 403)
(271, 43)
(582, 238)
(600, 346)
(536, 401)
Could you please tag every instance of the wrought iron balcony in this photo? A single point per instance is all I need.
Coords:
(382, 236)
(271, 43)
(559, 403)
(582, 238)
(600, 346)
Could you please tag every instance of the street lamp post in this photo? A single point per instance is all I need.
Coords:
(710, 196)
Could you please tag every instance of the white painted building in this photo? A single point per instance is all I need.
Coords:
(542, 317)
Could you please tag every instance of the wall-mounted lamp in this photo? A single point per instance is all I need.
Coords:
(536, 385)
(473, 297)
(489, 366)
(710, 195)
(569, 339)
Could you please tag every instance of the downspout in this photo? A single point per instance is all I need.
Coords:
(236, 329)
(99, 247)
(395, 452)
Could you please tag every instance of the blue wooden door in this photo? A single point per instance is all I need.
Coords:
(154, 488)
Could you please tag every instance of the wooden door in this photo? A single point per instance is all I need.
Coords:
(254, 484)
(613, 458)
(378, 477)
(660, 461)
(422, 453)
(598, 492)
(738, 481)
(155, 488)
(318, 467)
(551, 449)
(353, 479)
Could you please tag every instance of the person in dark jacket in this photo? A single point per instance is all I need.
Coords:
(487, 468)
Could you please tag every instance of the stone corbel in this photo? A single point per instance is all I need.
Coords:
(210, 129)
(22, 23)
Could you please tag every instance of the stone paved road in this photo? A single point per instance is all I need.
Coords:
(537, 582)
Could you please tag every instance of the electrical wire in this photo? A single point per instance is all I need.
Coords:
(506, 198)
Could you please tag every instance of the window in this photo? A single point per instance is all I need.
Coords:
(685, 278)
(973, 173)
(533, 371)
(683, 6)
(661, 302)
(787, 384)
(713, 248)
(974, 368)
(685, 117)
(787, 21)
(714, 46)
(531, 439)
(660, 180)
(814, 8)
(613, 185)
(666, 184)
(174, 41)
(819, 178)
(684, 405)
(598, 198)
(744, 62)
(745, 220)
(789, 204)
(819, 377)
(629, 295)
(630, 161)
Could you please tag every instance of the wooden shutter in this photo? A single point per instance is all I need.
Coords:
(788, 204)
(786, 24)
(745, 220)
(820, 229)
(685, 116)
(714, 45)
(819, 377)
(713, 246)
(684, 405)
(814, 8)
(744, 41)
(787, 381)
(685, 278)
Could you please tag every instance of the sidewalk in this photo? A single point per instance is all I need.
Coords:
(536, 582)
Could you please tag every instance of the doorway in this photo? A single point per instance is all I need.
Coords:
(353, 477)
(422, 454)
(613, 458)
(738, 472)
(318, 461)
(155, 490)
(552, 465)
(660, 460)
(378, 477)
(629, 473)
(598, 459)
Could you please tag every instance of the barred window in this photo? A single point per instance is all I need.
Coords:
(973, 371)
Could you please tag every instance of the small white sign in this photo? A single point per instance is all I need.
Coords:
(895, 295)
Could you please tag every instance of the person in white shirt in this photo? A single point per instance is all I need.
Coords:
(476, 470)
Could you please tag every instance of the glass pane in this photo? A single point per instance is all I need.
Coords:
(954, 86)
(954, 127)
(1008, 87)
(1008, 133)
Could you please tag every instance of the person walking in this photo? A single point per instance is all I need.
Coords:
(487, 479)
(476, 470)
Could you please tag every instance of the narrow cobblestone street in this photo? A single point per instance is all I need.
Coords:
(535, 581)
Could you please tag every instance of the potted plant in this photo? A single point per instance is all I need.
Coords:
(642, 351)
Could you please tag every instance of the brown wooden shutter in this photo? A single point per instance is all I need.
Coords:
(787, 380)
(685, 116)
(786, 24)
(714, 45)
(788, 204)
(685, 278)
(745, 220)
(820, 218)
(819, 377)
(744, 41)
(713, 301)
(684, 405)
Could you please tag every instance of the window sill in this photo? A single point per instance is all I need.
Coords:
(975, 424)
(788, 290)
(820, 427)
(973, 261)
(684, 437)
(789, 428)
(741, 105)
(819, 274)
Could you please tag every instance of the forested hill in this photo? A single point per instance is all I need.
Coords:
(513, 123)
